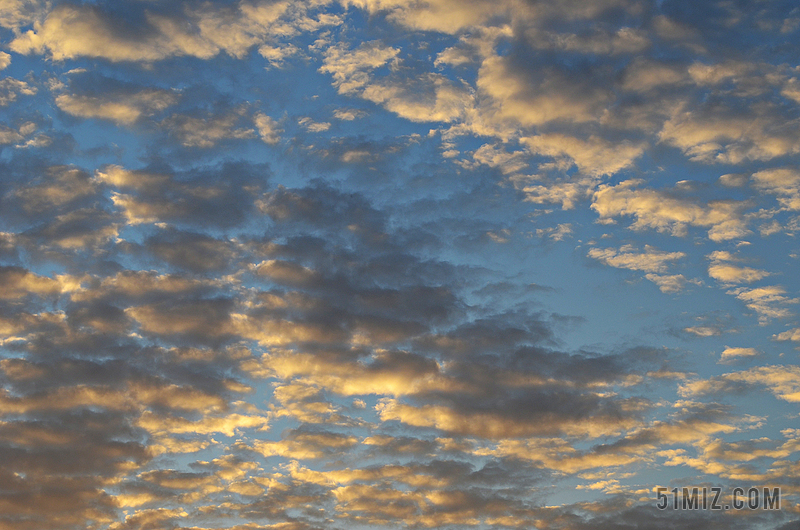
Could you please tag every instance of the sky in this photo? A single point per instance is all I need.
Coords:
(386, 264)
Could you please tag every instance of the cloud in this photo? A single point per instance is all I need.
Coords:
(313, 126)
(527, 97)
(768, 302)
(556, 233)
(350, 68)
(426, 97)
(542, 420)
(277, 55)
(451, 16)
(147, 518)
(651, 260)
(124, 108)
(58, 188)
(206, 132)
(11, 88)
(791, 90)
(118, 176)
(82, 228)
(566, 192)
(792, 334)
(446, 16)
(782, 381)
(348, 114)
(308, 405)
(203, 31)
(17, 13)
(391, 373)
(9, 135)
(667, 213)
(17, 282)
(599, 41)
(731, 354)
(145, 197)
(306, 445)
(194, 319)
(732, 274)
(783, 182)
(695, 425)
(723, 271)
(205, 317)
(714, 74)
(59, 35)
(594, 156)
(227, 424)
(429, 98)
(668, 283)
(192, 251)
(268, 129)
(726, 135)
(644, 75)
(497, 156)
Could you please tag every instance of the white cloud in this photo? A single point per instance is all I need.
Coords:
(495, 156)
(731, 135)
(277, 55)
(314, 126)
(783, 182)
(415, 97)
(703, 331)
(792, 334)
(769, 302)
(268, 129)
(713, 74)
(727, 273)
(666, 213)
(556, 233)
(730, 354)
(448, 16)
(10, 88)
(16, 13)
(722, 270)
(782, 381)
(565, 192)
(651, 260)
(348, 114)
(668, 283)
(792, 90)
(120, 108)
(71, 31)
(594, 156)
(350, 68)
(426, 98)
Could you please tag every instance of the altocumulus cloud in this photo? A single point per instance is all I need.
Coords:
(297, 265)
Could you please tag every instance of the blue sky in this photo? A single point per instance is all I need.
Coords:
(397, 264)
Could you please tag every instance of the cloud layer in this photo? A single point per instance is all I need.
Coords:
(300, 265)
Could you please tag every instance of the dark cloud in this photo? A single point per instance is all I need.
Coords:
(57, 465)
(219, 196)
(192, 251)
